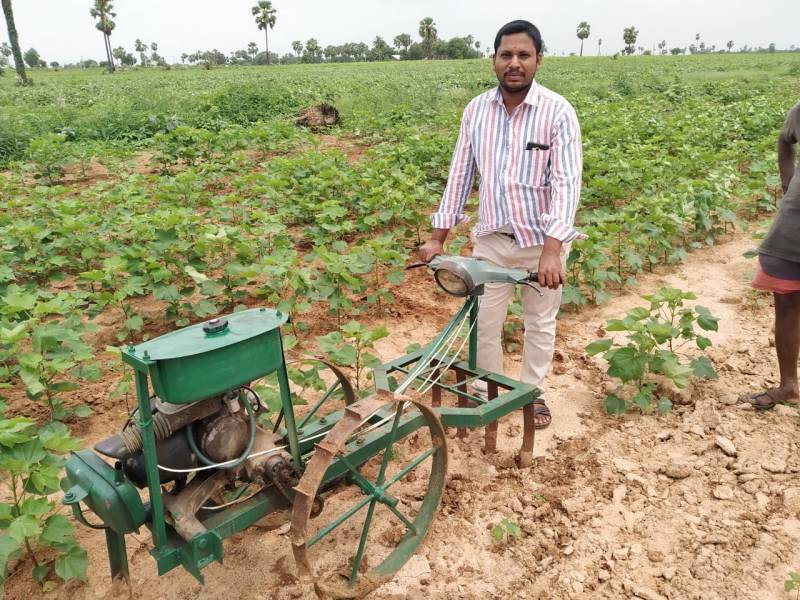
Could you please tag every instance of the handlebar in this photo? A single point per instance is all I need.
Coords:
(465, 275)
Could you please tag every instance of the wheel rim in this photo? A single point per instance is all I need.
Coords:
(374, 491)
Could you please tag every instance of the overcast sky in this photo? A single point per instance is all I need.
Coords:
(62, 30)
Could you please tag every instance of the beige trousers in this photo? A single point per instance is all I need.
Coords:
(539, 312)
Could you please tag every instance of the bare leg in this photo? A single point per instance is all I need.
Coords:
(787, 346)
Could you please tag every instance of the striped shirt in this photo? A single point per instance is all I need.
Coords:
(530, 166)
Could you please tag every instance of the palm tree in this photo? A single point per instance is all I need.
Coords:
(297, 46)
(265, 19)
(141, 48)
(629, 35)
(402, 42)
(729, 45)
(599, 43)
(13, 39)
(583, 32)
(427, 31)
(104, 11)
(252, 49)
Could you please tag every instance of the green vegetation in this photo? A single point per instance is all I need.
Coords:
(157, 198)
(655, 337)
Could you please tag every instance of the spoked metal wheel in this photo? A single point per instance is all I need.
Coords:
(318, 388)
(392, 484)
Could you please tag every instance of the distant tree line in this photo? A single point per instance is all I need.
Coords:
(403, 47)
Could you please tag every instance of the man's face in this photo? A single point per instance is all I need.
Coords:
(516, 62)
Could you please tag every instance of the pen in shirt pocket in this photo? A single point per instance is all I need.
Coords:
(535, 146)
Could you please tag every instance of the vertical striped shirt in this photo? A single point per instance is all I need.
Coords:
(530, 165)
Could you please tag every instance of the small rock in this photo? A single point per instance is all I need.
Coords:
(623, 465)
(646, 593)
(745, 406)
(568, 550)
(725, 445)
(745, 477)
(774, 465)
(723, 492)
(714, 539)
(577, 587)
(636, 549)
(791, 499)
(655, 556)
(664, 435)
(677, 471)
(619, 494)
(603, 575)
(668, 573)
(762, 500)
(621, 553)
(784, 410)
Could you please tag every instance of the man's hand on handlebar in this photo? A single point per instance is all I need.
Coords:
(551, 273)
(430, 249)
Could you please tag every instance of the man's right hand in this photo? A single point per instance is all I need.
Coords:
(430, 249)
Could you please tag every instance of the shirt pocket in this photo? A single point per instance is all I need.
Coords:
(534, 168)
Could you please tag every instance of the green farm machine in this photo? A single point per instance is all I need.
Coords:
(213, 466)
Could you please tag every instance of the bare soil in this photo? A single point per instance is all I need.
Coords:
(699, 503)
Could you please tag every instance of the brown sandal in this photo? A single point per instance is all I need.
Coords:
(540, 408)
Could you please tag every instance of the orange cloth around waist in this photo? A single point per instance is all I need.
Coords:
(768, 283)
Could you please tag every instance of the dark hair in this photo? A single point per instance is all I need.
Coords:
(520, 26)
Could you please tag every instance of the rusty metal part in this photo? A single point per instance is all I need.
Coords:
(182, 508)
(306, 492)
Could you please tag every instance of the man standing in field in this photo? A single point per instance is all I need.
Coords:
(525, 142)
(779, 270)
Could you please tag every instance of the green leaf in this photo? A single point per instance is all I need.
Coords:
(83, 411)
(616, 325)
(40, 572)
(664, 404)
(24, 526)
(705, 319)
(702, 342)
(639, 313)
(498, 533)
(16, 431)
(56, 437)
(627, 364)
(57, 530)
(598, 346)
(36, 506)
(205, 308)
(703, 368)
(615, 405)
(513, 529)
(643, 398)
(72, 564)
(33, 384)
(9, 549)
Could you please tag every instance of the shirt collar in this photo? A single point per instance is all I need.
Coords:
(531, 98)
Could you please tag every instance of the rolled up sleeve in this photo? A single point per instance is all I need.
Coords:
(459, 182)
(566, 154)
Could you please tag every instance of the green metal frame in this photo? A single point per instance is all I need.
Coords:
(171, 551)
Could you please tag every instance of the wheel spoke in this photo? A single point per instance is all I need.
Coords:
(339, 520)
(362, 543)
(410, 466)
(328, 393)
(392, 438)
(366, 487)
(403, 518)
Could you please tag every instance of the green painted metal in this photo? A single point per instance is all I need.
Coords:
(190, 364)
(473, 333)
(313, 410)
(117, 557)
(150, 460)
(94, 482)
